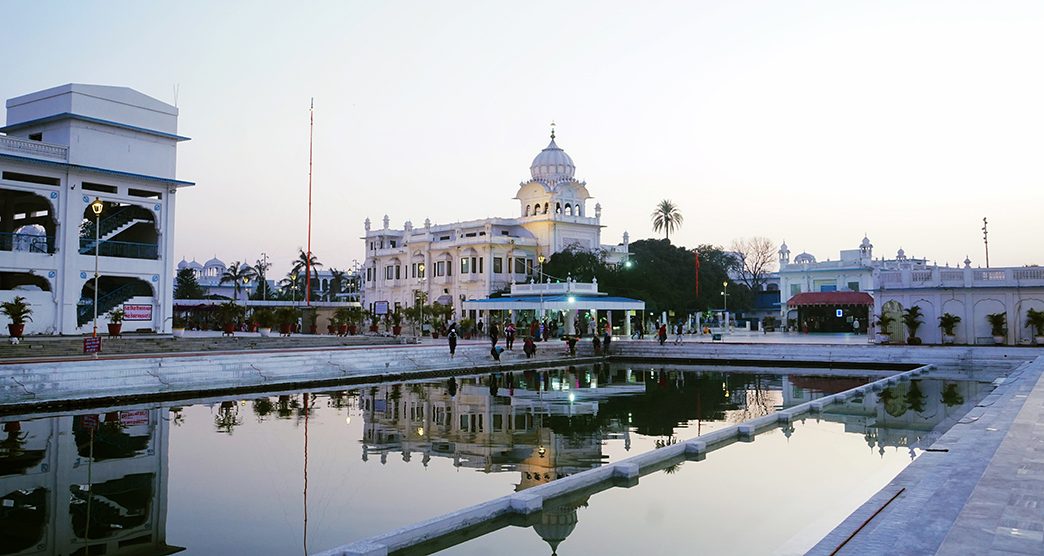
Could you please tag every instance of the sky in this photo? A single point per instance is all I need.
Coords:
(812, 122)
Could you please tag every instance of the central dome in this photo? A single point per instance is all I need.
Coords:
(552, 163)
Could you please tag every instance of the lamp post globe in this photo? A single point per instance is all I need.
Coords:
(96, 207)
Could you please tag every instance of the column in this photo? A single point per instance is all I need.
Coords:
(627, 324)
(609, 319)
(570, 319)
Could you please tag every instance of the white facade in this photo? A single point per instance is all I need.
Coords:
(62, 148)
(451, 263)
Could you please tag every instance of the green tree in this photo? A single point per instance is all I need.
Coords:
(338, 279)
(238, 274)
(186, 286)
(302, 263)
(666, 217)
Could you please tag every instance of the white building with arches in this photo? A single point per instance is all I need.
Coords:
(455, 262)
(61, 149)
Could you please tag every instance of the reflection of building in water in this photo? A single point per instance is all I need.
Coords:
(902, 415)
(558, 519)
(538, 423)
(85, 484)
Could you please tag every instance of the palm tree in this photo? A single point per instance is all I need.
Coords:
(337, 281)
(290, 285)
(302, 262)
(261, 271)
(666, 217)
(238, 274)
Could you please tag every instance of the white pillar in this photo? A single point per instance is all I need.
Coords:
(570, 318)
(627, 324)
(609, 320)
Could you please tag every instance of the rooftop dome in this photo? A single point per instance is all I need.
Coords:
(214, 262)
(195, 265)
(804, 258)
(183, 264)
(552, 163)
(865, 242)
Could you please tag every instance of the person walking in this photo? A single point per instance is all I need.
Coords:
(494, 333)
(529, 347)
(678, 330)
(509, 335)
(452, 337)
(661, 334)
(607, 338)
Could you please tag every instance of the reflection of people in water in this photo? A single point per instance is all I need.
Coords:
(452, 387)
(495, 352)
(493, 387)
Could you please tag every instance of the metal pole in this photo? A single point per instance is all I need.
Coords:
(97, 240)
(308, 257)
(985, 241)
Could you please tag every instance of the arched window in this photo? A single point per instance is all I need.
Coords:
(569, 209)
(527, 210)
(558, 208)
(546, 205)
(577, 211)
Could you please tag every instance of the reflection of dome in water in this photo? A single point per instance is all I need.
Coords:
(557, 522)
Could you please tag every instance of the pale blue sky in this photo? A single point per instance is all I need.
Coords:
(810, 121)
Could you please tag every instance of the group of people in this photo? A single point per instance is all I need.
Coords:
(539, 331)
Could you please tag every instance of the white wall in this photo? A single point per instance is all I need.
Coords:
(44, 311)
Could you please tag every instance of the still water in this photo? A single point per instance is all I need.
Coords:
(299, 472)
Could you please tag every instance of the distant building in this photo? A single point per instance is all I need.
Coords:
(61, 149)
(455, 262)
(209, 274)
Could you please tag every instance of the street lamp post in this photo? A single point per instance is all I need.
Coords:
(540, 284)
(725, 303)
(97, 207)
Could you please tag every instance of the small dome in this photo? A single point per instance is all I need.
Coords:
(783, 247)
(195, 265)
(214, 262)
(183, 264)
(865, 242)
(805, 258)
(900, 254)
(244, 266)
(552, 163)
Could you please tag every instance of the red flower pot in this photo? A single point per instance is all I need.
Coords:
(115, 328)
(284, 329)
(16, 330)
(353, 329)
(396, 330)
(331, 329)
(229, 329)
(342, 330)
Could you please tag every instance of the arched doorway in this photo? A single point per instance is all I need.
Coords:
(26, 222)
(124, 230)
(113, 291)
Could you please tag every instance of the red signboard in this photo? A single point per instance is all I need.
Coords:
(137, 311)
(92, 344)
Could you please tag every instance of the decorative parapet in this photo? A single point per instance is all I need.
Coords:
(944, 277)
(34, 149)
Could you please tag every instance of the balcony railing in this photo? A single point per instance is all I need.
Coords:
(29, 243)
(124, 249)
(34, 148)
(962, 277)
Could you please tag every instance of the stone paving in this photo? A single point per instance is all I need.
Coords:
(978, 490)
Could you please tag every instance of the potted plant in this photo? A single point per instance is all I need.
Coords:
(948, 323)
(396, 319)
(372, 318)
(346, 316)
(115, 322)
(912, 319)
(178, 326)
(467, 326)
(18, 311)
(335, 324)
(287, 318)
(1035, 319)
(313, 319)
(264, 317)
(884, 320)
(998, 326)
(228, 315)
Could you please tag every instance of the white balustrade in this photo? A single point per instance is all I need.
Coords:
(34, 148)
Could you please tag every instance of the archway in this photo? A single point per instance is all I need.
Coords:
(125, 230)
(26, 222)
(113, 291)
(896, 330)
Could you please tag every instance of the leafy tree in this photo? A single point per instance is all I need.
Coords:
(291, 287)
(666, 217)
(338, 279)
(238, 274)
(574, 261)
(186, 286)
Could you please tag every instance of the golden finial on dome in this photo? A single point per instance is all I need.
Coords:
(552, 130)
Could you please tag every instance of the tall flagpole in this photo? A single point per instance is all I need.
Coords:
(308, 257)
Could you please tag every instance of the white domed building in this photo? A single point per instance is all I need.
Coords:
(459, 261)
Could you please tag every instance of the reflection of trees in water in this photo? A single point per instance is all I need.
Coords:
(227, 417)
(897, 402)
(286, 405)
(23, 519)
(950, 395)
(110, 442)
(14, 459)
(115, 506)
(914, 397)
(262, 408)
